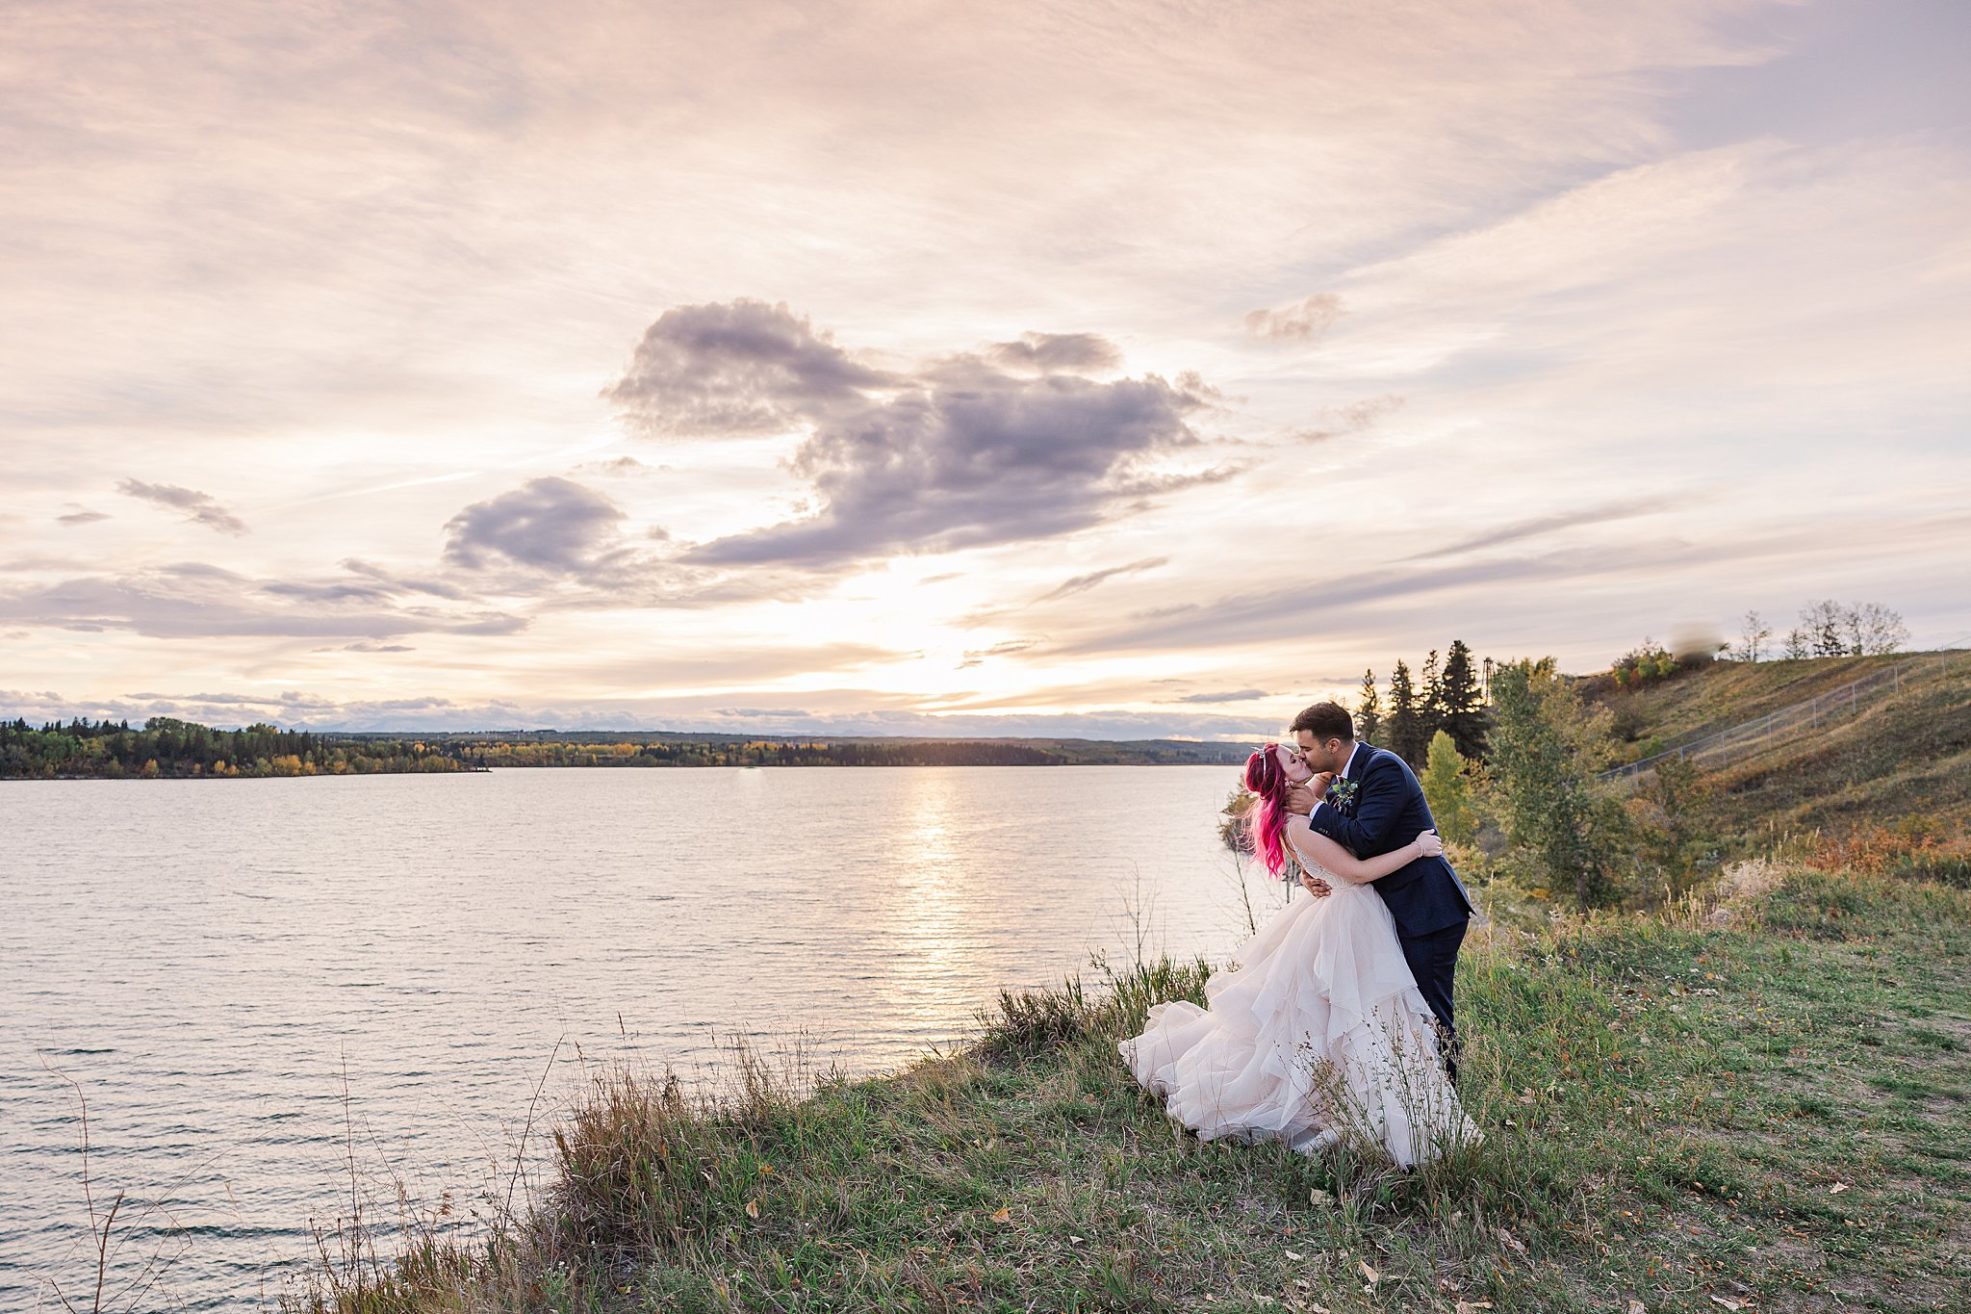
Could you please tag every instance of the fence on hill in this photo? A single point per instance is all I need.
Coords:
(1737, 742)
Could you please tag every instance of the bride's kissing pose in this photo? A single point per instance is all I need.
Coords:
(1319, 1028)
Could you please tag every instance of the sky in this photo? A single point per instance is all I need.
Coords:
(1090, 369)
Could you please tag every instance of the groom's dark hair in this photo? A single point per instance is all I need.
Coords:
(1326, 721)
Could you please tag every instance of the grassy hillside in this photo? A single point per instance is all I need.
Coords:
(1757, 1103)
(1695, 702)
(1902, 760)
(1752, 1096)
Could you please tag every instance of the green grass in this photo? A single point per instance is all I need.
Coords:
(1764, 1099)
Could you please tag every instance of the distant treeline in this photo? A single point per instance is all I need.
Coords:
(166, 747)
(723, 751)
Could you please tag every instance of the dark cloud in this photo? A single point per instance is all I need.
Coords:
(1521, 530)
(1083, 583)
(198, 507)
(82, 517)
(551, 524)
(975, 458)
(1355, 417)
(1302, 321)
(744, 367)
(1048, 352)
(967, 450)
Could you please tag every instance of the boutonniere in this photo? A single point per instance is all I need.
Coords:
(1342, 794)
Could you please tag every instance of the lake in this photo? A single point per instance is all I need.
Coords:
(255, 982)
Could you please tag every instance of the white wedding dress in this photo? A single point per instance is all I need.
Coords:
(1318, 1029)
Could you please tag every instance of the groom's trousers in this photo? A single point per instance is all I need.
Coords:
(1433, 960)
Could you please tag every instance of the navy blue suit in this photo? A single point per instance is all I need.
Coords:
(1426, 898)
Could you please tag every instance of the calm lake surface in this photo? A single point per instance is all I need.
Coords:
(255, 981)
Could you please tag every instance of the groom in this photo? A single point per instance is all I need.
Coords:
(1367, 799)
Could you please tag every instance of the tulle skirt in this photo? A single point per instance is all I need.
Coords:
(1318, 1031)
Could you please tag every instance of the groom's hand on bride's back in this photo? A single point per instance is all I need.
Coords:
(1315, 885)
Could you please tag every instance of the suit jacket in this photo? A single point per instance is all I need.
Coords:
(1390, 811)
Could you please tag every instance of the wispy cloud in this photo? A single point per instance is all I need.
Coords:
(195, 600)
(1082, 583)
(1540, 526)
(199, 508)
(1302, 321)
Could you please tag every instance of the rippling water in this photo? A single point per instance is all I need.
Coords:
(254, 982)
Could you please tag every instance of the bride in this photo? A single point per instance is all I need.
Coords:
(1319, 1030)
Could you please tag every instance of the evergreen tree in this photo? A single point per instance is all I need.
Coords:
(1465, 718)
(1368, 716)
(1430, 701)
(1405, 725)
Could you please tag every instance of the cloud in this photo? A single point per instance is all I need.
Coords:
(1302, 321)
(198, 507)
(1234, 696)
(197, 600)
(1355, 417)
(977, 656)
(1083, 583)
(1272, 614)
(1537, 526)
(744, 367)
(966, 450)
(951, 466)
(396, 583)
(81, 517)
(622, 465)
(973, 456)
(551, 525)
(1048, 352)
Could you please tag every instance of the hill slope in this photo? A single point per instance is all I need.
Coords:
(1902, 756)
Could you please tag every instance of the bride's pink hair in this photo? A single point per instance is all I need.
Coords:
(1267, 820)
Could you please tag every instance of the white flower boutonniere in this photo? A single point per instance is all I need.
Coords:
(1341, 795)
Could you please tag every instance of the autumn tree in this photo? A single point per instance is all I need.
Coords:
(1448, 791)
(1546, 750)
